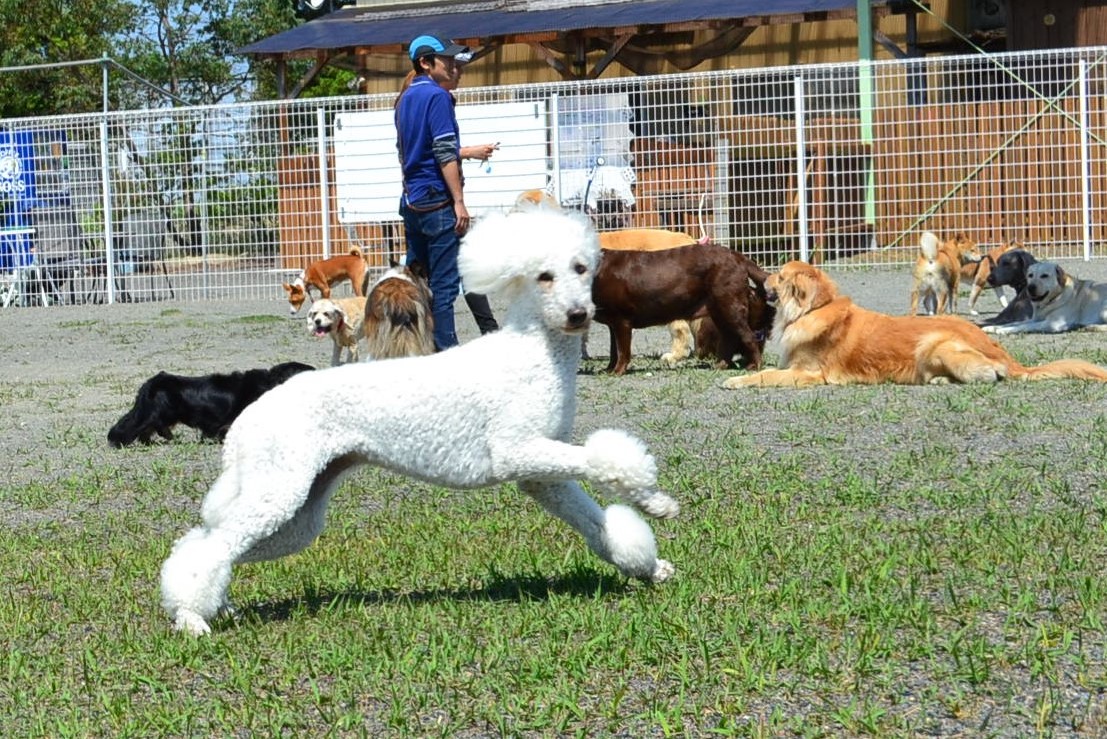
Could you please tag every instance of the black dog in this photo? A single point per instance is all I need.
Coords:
(1010, 269)
(208, 403)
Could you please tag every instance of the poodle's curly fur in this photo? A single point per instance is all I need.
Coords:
(497, 409)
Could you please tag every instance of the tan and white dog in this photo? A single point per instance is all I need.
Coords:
(1061, 302)
(937, 272)
(343, 319)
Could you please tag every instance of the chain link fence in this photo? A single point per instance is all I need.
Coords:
(843, 165)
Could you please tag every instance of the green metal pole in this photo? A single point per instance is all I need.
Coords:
(865, 95)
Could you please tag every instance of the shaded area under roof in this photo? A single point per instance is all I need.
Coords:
(388, 31)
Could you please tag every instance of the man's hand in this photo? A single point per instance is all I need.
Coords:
(462, 213)
(482, 152)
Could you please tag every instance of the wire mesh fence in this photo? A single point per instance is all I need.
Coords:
(843, 165)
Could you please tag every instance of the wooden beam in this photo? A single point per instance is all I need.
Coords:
(321, 60)
(551, 59)
(609, 57)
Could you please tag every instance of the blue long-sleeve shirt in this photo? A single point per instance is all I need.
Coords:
(427, 137)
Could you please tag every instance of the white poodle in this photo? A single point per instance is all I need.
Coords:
(496, 409)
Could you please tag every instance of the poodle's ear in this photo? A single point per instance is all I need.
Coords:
(490, 257)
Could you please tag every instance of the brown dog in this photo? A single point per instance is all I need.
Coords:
(656, 239)
(635, 289)
(708, 340)
(398, 319)
(828, 340)
(324, 273)
(937, 272)
(977, 273)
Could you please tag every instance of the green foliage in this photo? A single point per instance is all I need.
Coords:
(51, 33)
(189, 46)
(186, 48)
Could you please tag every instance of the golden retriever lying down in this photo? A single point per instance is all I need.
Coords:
(828, 340)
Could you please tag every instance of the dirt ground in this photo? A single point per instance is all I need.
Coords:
(74, 369)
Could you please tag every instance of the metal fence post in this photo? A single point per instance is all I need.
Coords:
(324, 184)
(555, 143)
(1085, 165)
(105, 200)
(720, 198)
(801, 166)
(203, 197)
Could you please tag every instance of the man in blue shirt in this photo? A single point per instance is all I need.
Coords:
(433, 202)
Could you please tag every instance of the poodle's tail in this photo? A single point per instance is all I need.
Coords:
(1062, 369)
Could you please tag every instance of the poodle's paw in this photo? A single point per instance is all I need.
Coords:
(659, 505)
(974, 311)
(989, 329)
(191, 623)
(662, 571)
(620, 463)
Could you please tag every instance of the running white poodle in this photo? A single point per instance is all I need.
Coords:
(497, 409)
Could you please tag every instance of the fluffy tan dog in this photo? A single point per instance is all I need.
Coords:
(342, 319)
(827, 340)
(644, 239)
(937, 272)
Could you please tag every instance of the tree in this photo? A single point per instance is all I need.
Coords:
(189, 46)
(51, 33)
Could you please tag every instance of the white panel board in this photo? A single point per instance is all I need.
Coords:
(594, 137)
(367, 171)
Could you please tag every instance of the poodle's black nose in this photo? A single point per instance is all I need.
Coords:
(577, 317)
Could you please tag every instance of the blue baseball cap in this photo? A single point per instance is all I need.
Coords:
(424, 45)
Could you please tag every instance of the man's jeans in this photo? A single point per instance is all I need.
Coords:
(432, 241)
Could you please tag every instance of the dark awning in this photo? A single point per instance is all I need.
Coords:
(388, 31)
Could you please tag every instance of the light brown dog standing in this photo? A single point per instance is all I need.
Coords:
(937, 272)
(828, 340)
(325, 273)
